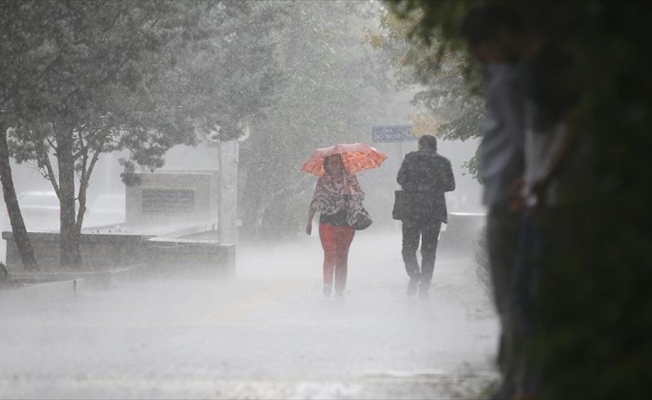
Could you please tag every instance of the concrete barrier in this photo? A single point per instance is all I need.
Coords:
(190, 257)
(106, 253)
(98, 250)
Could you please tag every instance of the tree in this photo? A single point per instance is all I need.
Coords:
(24, 246)
(452, 111)
(138, 76)
(607, 351)
(332, 91)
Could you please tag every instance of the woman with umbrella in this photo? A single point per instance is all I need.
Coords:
(338, 198)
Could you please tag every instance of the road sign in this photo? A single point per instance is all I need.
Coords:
(392, 133)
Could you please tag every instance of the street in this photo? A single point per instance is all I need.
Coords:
(267, 333)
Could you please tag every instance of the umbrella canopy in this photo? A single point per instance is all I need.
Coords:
(356, 157)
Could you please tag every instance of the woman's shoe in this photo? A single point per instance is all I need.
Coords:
(327, 290)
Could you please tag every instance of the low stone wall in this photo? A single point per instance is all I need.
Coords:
(108, 252)
(99, 251)
(190, 256)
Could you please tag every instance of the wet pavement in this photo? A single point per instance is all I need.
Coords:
(267, 333)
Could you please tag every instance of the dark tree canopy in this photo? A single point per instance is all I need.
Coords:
(610, 273)
(81, 78)
(330, 93)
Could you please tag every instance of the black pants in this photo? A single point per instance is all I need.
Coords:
(502, 243)
(428, 231)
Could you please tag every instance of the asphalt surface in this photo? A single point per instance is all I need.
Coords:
(267, 333)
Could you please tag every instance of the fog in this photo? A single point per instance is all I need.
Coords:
(266, 331)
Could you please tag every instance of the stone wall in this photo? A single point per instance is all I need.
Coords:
(110, 251)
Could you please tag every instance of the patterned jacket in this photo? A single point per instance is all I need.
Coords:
(329, 198)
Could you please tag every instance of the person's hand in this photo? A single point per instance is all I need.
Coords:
(516, 187)
(516, 199)
(539, 190)
(309, 228)
(517, 204)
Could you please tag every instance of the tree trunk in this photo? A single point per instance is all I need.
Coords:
(69, 245)
(25, 250)
(87, 168)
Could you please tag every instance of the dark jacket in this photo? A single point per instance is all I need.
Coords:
(425, 176)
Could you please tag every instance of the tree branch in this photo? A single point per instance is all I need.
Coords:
(44, 159)
(96, 156)
(51, 144)
(82, 148)
(86, 172)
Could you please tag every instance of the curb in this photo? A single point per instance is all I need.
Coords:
(93, 279)
(40, 293)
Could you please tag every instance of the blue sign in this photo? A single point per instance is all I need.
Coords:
(392, 133)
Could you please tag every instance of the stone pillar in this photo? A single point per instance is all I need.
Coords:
(228, 204)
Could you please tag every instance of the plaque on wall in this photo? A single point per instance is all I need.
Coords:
(168, 201)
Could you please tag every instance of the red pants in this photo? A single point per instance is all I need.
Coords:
(336, 241)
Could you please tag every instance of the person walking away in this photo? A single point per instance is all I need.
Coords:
(337, 191)
(491, 33)
(424, 176)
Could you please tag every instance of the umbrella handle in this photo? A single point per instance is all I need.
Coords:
(346, 183)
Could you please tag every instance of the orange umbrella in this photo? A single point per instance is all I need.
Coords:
(356, 157)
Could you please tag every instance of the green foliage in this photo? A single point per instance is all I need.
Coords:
(330, 94)
(86, 77)
(438, 69)
(141, 76)
(606, 349)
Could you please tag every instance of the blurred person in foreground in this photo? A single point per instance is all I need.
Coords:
(424, 176)
(553, 182)
(337, 194)
(555, 191)
(490, 33)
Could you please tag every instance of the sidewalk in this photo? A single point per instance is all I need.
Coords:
(268, 333)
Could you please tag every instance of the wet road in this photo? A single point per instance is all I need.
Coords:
(268, 333)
